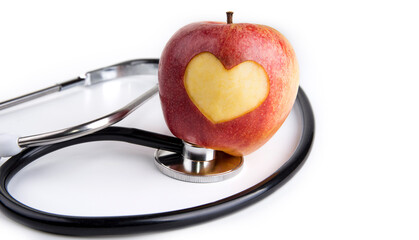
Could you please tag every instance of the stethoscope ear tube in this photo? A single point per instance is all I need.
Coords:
(89, 226)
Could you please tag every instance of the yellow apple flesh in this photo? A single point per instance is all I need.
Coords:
(224, 94)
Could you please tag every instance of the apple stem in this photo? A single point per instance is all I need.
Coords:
(229, 17)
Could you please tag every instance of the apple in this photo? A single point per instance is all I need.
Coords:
(227, 86)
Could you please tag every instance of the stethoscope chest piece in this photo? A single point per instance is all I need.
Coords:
(198, 165)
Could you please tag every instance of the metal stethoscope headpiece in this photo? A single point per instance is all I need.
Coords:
(130, 68)
(193, 164)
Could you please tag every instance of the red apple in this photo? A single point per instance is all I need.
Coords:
(227, 86)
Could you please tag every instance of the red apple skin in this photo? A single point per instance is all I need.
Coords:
(232, 44)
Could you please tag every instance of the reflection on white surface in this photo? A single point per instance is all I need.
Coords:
(114, 178)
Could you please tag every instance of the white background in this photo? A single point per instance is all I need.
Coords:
(359, 66)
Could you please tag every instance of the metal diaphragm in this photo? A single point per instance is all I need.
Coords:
(197, 164)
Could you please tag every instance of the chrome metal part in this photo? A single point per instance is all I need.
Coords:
(88, 127)
(43, 92)
(198, 165)
(124, 69)
(28, 97)
(192, 151)
(129, 68)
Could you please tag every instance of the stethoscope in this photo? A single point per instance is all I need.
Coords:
(174, 157)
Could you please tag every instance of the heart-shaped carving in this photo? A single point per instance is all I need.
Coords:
(223, 94)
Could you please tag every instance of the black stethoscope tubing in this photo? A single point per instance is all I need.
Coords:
(90, 226)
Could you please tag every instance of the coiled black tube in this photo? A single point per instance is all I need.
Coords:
(87, 226)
